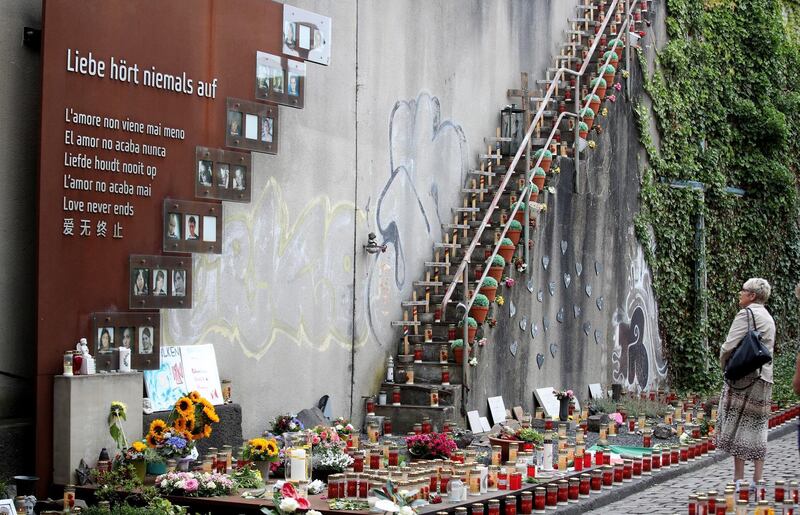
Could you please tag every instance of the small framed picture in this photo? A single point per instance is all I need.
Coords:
(234, 123)
(266, 129)
(280, 80)
(202, 227)
(204, 174)
(306, 35)
(253, 136)
(174, 226)
(140, 281)
(138, 331)
(170, 281)
(231, 175)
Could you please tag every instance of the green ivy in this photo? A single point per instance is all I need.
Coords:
(726, 98)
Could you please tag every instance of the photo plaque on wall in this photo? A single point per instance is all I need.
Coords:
(160, 282)
(191, 226)
(222, 174)
(139, 332)
(280, 80)
(251, 126)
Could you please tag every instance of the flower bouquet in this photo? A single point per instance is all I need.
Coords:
(431, 445)
(565, 399)
(194, 484)
(287, 500)
(389, 500)
(135, 455)
(343, 427)
(288, 423)
(190, 420)
(262, 452)
(329, 458)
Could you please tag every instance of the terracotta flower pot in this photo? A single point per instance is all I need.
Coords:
(471, 333)
(583, 134)
(519, 216)
(538, 180)
(534, 198)
(479, 313)
(545, 164)
(601, 92)
(496, 272)
(594, 105)
(458, 353)
(513, 235)
(618, 51)
(507, 251)
(609, 77)
(588, 121)
(489, 291)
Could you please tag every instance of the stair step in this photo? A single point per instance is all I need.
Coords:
(490, 157)
(577, 32)
(438, 264)
(447, 227)
(420, 394)
(401, 323)
(465, 209)
(581, 20)
(586, 7)
(578, 46)
(430, 350)
(494, 139)
(417, 284)
(410, 303)
(442, 245)
(483, 173)
(474, 190)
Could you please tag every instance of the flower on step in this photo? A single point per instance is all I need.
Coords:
(612, 98)
(604, 111)
(592, 144)
(625, 75)
(484, 341)
(473, 362)
(551, 190)
(544, 207)
(492, 323)
(557, 169)
(509, 282)
(520, 265)
(618, 86)
(500, 300)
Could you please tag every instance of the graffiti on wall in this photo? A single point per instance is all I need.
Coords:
(637, 358)
(427, 166)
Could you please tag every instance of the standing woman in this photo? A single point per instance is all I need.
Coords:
(745, 403)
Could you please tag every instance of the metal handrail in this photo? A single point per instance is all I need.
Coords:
(539, 113)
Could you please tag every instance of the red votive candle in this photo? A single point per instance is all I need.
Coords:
(627, 470)
(502, 480)
(539, 495)
(619, 471)
(637, 467)
(647, 464)
(387, 426)
(526, 503)
(574, 489)
(563, 491)
(552, 495)
(531, 470)
(510, 505)
(515, 481)
(494, 507)
(656, 460)
(352, 485)
(578, 463)
(598, 458)
(684, 454)
(585, 484)
(358, 462)
(476, 509)
(675, 456)
(608, 476)
(587, 460)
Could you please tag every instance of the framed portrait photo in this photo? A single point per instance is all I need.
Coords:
(170, 281)
(139, 332)
(280, 80)
(229, 180)
(201, 225)
(7, 507)
(254, 134)
(306, 35)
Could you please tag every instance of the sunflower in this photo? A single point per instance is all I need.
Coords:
(152, 440)
(157, 427)
(138, 446)
(189, 422)
(206, 431)
(180, 424)
(272, 448)
(211, 414)
(186, 435)
(258, 444)
(184, 406)
(195, 396)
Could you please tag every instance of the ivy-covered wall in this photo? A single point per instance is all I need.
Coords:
(725, 95)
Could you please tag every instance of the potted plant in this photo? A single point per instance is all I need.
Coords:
(534, 192)
(135, 455)
(594, 102)
(513, 232)
(507, 249)
(617, 45)
(496, 267)
(601, 87)
(587, 116)
(539, 176)
(329, 457)
(457, 346)
(520, 214)
(547, 158)
(489, 288)
(262, 453)
(472, 328)
(611, 57)
(480, 308)
(565, 398)
(583, 130)
(608, 71)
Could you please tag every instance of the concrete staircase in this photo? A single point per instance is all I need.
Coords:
(424, 311)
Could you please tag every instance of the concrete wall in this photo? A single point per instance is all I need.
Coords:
(20, 78)
(294, 307)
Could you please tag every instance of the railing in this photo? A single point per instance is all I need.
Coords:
(524, 195)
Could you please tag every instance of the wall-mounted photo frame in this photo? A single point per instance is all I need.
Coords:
(228, 176)
(7, 507)
(306, 35)
(189, 226)
(280, 80)
(139, 332)
(252, 126)
(160, 282)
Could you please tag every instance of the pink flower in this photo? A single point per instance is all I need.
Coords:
(191, 485)
(288, 491)
(618, 86)
(611, 98)
(509, 282)
(616, 417)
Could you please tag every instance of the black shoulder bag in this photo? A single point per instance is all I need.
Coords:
(750, 355)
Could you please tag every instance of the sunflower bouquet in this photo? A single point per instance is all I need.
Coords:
(261, 449)
(190, 420)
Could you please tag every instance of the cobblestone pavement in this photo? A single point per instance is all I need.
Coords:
(672, 496)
